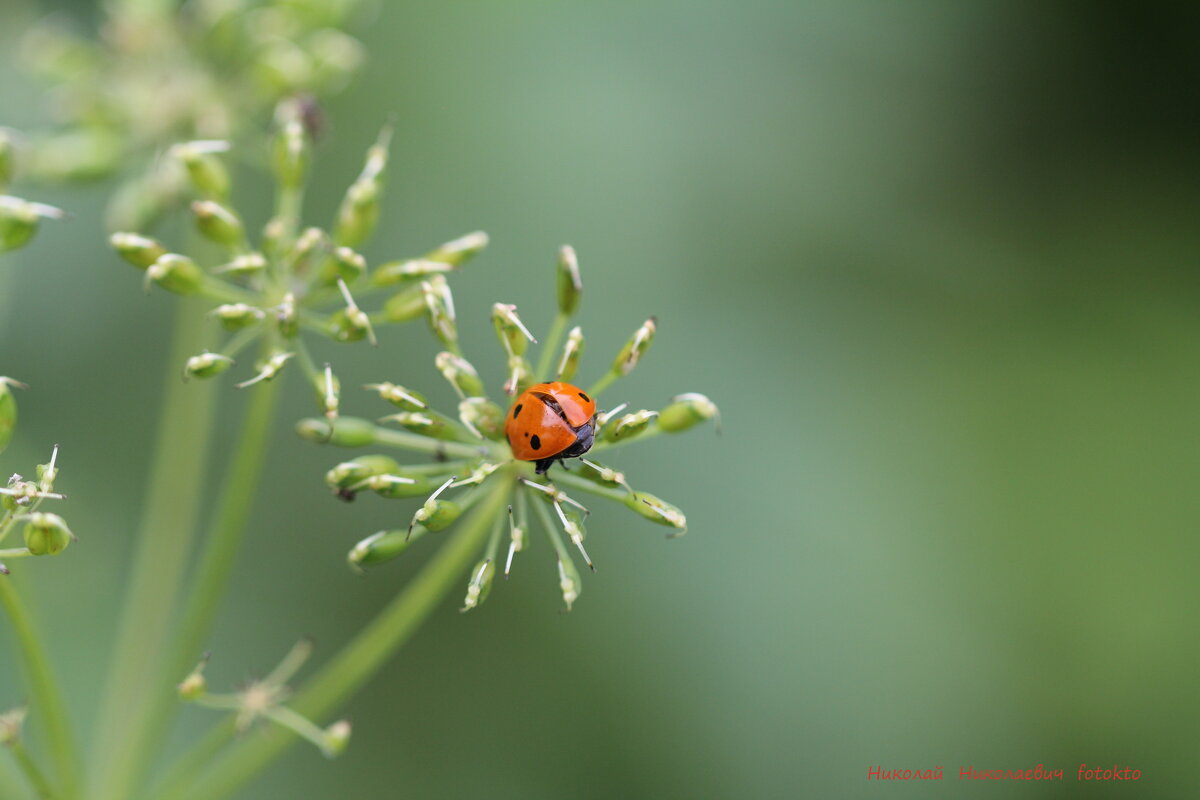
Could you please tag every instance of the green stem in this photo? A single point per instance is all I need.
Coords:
(47, 701)
(219, 552)
(583, 484)
(164, 541)
(650, 432)
(36, 777)
(364, 655)
(415, 441)
(550, 345)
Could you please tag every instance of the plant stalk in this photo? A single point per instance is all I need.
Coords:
(163, 544)
(362, 657)
(47, 702)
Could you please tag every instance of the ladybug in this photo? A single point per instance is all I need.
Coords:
(550, 422)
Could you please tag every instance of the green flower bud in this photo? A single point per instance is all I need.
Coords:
(290, 154)
(245, 265)
(351, 323)
(399, 396)
(656, 510)
(570, 284)
(175, 273)
(513, 335)
(520, 375)
(635, 348)
(8, 410)
(394, 272)
(350, 265)
(599, 473)
(406, 305)
(360, 207)
(461, 375)
(80, 154)
(482, 416)
(48, 473)
(460, 250)
(396, 486)
(686, 411)
(206, 365)
(568, 363)
(20, 219)
(348, 473)
(141, 251)
(287, 318)
(346, 432)
(218, 223)
(568, 581)
(337, 738)
(437, 515)
(46, 534)
(480, 584)
(427, 423)
(275, 237)
(235, 316)
(628, 426)
(206, 172)
(378, 548)
(309, 243)
(440, 304)
(329, 391)
(268, 368)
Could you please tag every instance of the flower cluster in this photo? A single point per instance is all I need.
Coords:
(156, 76)
(292, 280)
(45, 534)
(19, 218)
(474, 472)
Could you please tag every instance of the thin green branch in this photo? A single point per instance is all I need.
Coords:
(47, 700)
(651, 431)
(415, 442)
(583, 484)
(36, 778)
(364, 655)
(164, 541)
(549, 346)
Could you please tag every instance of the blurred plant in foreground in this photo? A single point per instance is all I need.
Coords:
(19, 218)
(157, 74)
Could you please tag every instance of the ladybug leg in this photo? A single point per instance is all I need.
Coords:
(543, 464)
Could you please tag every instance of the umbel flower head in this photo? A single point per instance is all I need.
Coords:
(497, 488)
(44, 534)
(159, 73)
(288, 281)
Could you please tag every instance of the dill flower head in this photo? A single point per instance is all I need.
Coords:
(479, 478)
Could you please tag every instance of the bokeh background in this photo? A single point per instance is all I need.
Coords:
(937, 263)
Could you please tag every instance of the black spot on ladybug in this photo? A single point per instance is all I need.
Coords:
(526, 434)
(535, 442)
(586, 399)
(517, 410)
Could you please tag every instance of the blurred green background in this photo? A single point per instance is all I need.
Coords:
(936, 262)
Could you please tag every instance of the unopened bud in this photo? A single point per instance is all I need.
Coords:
(599, 473)
(218, 223)
(337, 737)
(686, 411)
(395, 486)
(628, 426)
(635, 348)
(460, 373)
(206, 365)
(235, 316)
(510, 330)
(290, 154)
(311, 242)
(175, 273)
(520, 375)
(570, 284)
(568, 581)
(360, 207)
(11, 723)
(287, 317)
(656, 510)
(268, 368)
(459, 250)
(350, 323)
(329, 392)
(8, 410)
(437, 515)
(346, 432)
(394, 272)
(427, 423)
(20, 219)
(205, 171)
(568, 364)
(480, 584)
(46, 534)
(399, 396)
(348, 473)
(141, 251)
(482, 416)
(440, 305)
(350, 265)
(7, 158)
(378, 548)
(406, 305)
(245, 265)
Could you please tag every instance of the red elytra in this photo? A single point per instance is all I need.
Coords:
(549, 422)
